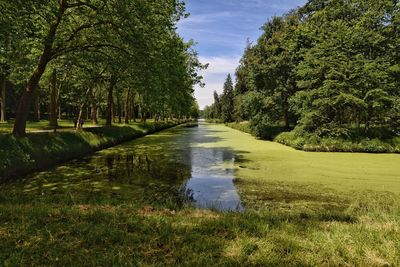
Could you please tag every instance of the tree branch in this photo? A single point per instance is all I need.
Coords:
(57, 52)
(79, 3)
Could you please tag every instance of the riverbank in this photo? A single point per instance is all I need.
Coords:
(313, 143)
(301, 209)
(19, 156)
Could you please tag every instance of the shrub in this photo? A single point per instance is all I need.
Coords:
(242, 126)
(330, 144)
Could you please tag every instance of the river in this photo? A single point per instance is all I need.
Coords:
(172, 167)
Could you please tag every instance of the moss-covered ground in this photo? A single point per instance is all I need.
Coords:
(39, 150)
(375, 140)
(302, 209)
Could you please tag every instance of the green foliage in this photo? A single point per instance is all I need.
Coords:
(40, 150)
(259, 129)
(242, 126)
(195, 111)
(125, 54)
(325, 68)
(312, 142)
(301, 210)
(227, 100)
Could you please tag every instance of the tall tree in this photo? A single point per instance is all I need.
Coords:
(217, 106)
(3, 88)
(228, 100)
(53, 100)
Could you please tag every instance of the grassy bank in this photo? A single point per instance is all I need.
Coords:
(43, 125)
(349, 234)
(325, 144)
(302, 209)
(214, 121)
(19, 156)
(316, 209)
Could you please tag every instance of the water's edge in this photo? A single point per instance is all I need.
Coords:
(47, 163)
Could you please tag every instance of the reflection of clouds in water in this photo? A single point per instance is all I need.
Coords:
(211, 184)
(157, 167)
(214, 192)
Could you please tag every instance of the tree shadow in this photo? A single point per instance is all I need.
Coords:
(152, 170)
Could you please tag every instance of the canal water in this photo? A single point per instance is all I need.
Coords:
(175, 167)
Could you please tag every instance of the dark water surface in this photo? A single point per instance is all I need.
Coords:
(172, 167)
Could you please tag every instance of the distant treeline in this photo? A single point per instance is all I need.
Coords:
(330, 68)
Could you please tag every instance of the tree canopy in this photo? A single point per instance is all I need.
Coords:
(127, 54)
(328, 68)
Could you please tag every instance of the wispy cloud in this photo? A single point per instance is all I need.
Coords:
(214, 77)
(221, 29)
(205, 18)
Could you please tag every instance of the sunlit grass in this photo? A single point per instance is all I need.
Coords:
(43, 149)
(63, 125)
(302, 209)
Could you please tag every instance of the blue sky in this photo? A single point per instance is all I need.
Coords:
(221, 28)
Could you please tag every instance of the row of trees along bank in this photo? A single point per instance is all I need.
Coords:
(116, 58)
(329, 68)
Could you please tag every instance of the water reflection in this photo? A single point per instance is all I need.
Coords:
(211, 182)
(167, 167)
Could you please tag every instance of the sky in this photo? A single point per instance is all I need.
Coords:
(221, 29)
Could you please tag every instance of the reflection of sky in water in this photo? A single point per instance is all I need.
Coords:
(211, 183)
(166, 167)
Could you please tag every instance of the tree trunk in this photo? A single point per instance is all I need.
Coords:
(133, 115)
(53, 100)
(94, 113)
(127, 107)
(37, 105)
(94, 107)
(81, 110)
(119, 108)
(80, 117)
(60, 85)
(3, 99)
(26, 99)
(144, 115)
(110, 103)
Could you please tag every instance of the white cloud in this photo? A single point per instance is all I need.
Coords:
(214, 77)
(201, 19)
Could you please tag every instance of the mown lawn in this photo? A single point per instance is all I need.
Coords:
(302, 209)
(63, 125)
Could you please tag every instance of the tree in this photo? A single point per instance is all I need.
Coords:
(217, 106)
(69, 26)
(228, 100)
(115, 57)
(3, 98)
(329, 68)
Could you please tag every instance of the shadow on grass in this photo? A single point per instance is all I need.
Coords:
(37, 151)
(86, 213)
(150, 170)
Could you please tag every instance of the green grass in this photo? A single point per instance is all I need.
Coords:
(302, 209)
(63, 125)
(39, 150)
(378, 143)
(243, 126)
(326, 144)
(342, 171)
(44, 125)
(101, 235)
(214, 121)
